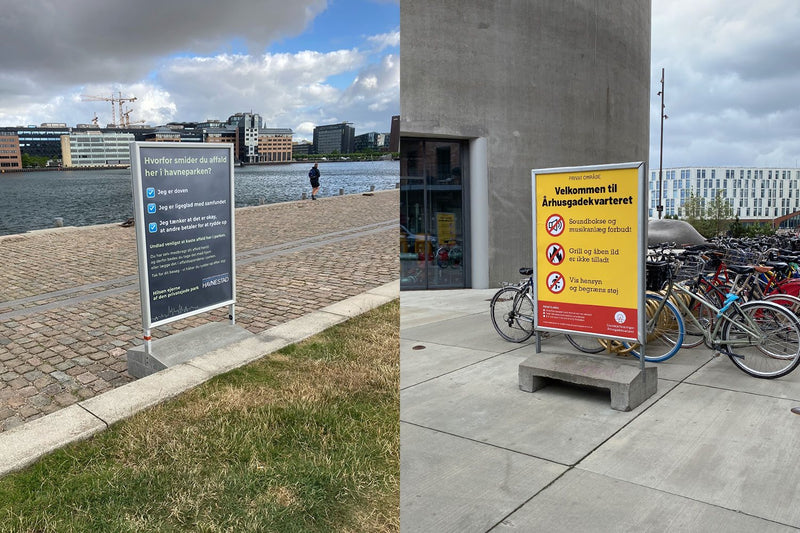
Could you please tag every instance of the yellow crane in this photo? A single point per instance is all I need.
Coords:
(119, 99)
(127, 119)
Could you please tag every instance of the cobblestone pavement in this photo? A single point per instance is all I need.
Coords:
(69, 297)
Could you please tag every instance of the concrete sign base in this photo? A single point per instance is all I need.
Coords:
(183, 346)
(629, 385)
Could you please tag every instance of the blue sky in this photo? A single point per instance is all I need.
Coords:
(298, 64)
(344, 24)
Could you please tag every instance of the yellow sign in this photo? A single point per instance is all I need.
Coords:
(446, 227)
(587, 249)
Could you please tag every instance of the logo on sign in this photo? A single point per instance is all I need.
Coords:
(620, 317)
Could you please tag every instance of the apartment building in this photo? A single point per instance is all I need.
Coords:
(10, 156)
(756, 194)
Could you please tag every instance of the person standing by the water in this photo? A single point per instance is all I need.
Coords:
(313, 175)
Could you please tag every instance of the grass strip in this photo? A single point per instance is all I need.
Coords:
(306, 439)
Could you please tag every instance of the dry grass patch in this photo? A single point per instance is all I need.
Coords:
(304, 440)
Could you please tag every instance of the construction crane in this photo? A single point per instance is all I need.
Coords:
(127, 119)
(119, 99)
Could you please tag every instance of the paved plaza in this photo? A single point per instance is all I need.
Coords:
(713, 450)
(69, 297)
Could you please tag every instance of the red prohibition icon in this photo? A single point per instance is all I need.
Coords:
(555, 282)
(555, 254)
(555, 225)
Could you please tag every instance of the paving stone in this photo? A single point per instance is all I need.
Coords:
(71, 352)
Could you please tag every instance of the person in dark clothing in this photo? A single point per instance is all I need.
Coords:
(313, 175)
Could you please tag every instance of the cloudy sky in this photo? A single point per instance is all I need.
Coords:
(732, 80)
(732, 68)
(299, 64)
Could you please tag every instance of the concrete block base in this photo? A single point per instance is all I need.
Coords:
(628, 384)
(183, 346)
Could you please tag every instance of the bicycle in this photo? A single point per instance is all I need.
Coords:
(512, 309)
(761, 338)
(449, 255)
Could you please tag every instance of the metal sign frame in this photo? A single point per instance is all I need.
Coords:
(574, 191)
(183, 200)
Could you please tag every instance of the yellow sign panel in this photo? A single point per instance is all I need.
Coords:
(446, 227)
(587, 250)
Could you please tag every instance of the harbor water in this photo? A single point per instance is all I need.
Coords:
(34, 200)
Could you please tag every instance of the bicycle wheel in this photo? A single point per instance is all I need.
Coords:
(585, 343)
(762, 339)
(665, 331)
(792, 303)
(512, 314)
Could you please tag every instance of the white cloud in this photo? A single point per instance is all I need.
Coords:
(385, 40)
(731, 79)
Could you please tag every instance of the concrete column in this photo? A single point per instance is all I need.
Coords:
(479, 212)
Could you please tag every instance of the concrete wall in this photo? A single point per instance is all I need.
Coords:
(546, 83)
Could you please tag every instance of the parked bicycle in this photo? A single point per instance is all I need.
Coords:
(513, 316)
(512, 309)
(761, 338)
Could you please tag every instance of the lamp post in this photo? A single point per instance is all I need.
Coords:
(660, 207)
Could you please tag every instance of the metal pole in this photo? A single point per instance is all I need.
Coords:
(147, 340)
(660, 207)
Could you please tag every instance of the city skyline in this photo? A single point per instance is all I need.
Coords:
(299, 65)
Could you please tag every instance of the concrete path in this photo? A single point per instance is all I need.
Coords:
(69, 297)
(713, 450)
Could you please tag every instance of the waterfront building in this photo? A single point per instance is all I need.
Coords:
(96, 149)
(370, 141)
(756, 194)
(247, 126)
(302, 148)
(10, 156)
(220, 134)
(44, 140)
(490, 91)
(275, 145)
(394, 134)
(334, 138)
(163, 134)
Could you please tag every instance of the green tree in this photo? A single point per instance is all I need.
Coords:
(719, 213)
(737, 229)
(695, 209)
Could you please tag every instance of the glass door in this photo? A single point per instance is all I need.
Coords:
(432, 238)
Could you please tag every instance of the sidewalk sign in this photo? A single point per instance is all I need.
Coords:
(589, 242)
(184, 210)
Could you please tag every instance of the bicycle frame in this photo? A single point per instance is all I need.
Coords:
(712, 334)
